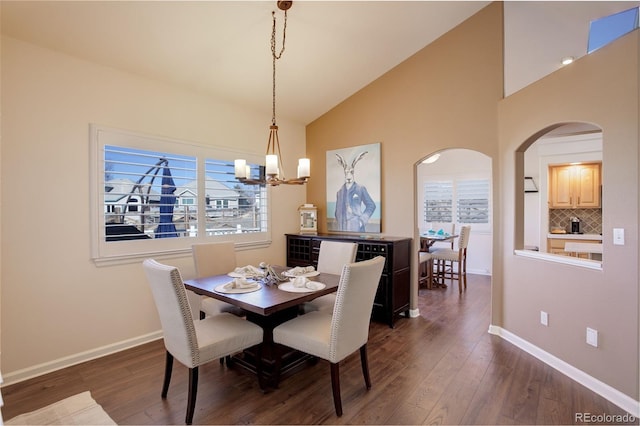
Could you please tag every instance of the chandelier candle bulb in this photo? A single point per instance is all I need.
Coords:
(272, 165)
(240, 167)
(304, 168)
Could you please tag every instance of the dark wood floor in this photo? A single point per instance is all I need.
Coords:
(440, 368)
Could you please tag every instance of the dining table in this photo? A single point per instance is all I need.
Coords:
(268, 306)
(428, 239)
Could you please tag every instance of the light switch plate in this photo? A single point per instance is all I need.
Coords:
(592, 337)
(618, 236)
(544, 318)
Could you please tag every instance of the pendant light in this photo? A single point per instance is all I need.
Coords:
(274, 171)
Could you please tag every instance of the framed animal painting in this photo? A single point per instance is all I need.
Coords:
(353, 189)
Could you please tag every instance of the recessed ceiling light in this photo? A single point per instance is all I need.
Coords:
(567, 60)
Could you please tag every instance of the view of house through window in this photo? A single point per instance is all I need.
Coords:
(149, 194)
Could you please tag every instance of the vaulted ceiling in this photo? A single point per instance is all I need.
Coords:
(333, 48)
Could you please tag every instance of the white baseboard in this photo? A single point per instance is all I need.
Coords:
(13, 377)
(615, 396)
(479, 272)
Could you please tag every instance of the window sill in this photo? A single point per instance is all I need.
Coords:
(565, 260)
(166, 254)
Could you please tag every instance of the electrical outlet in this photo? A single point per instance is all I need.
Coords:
(592, 337)
(544, 318)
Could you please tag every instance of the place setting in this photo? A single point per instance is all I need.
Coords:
(301, 271)
(301, 284)
(249, 278)
(299, 281)
(239, 285)
(246, 279)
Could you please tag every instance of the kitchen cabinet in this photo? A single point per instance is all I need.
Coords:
(557, 245)
(574, 186)
(392, 297)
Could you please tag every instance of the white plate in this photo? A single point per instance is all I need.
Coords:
(288, 286)
(307, 275)
(222, 289)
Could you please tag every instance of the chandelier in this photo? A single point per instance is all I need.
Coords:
(274, 172)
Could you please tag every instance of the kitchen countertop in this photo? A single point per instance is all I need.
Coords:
(597, 237)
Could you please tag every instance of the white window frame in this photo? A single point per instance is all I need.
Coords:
(103, 252)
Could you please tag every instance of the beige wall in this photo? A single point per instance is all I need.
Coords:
(602, 89)
(56, 304)
(445, 96)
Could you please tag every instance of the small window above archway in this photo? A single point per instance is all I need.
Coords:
(605, 30)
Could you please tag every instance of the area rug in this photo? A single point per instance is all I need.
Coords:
(80, 409)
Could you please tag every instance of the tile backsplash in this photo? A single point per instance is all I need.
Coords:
(591, 219)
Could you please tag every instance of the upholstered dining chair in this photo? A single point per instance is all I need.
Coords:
(332, 257)
(426, 269)
(456, 269)
(215, 259)
(333, 336)
(193, 343)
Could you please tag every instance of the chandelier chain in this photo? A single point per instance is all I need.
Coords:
(276, 57)
(272, 173)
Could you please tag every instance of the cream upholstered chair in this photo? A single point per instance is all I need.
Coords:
(335, 335)
(426, 269)
(215, 259)
(456, 258)
(332, 257)
(193, 343)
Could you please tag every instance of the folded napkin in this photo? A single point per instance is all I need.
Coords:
(240, 283)
(305, 282)
(249, 271)
(301, 270)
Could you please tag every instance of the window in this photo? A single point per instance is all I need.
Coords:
(472, 201)
(154, 195)
(604, 30)
(468, 198)
(143, 193)
(438, 204)
(232, 207)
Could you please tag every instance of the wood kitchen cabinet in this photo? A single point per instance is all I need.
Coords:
(392, 297)
(574, 186)
(556, 246)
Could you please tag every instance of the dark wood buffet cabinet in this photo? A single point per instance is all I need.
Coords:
(392, 297)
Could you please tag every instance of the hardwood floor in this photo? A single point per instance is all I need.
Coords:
(440, 368)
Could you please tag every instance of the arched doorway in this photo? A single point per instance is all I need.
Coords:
(563, 164)
(455, 186)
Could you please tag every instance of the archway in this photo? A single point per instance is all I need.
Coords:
(462, 180)
(563, 164)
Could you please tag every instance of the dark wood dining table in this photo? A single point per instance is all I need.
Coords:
(268, 307)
